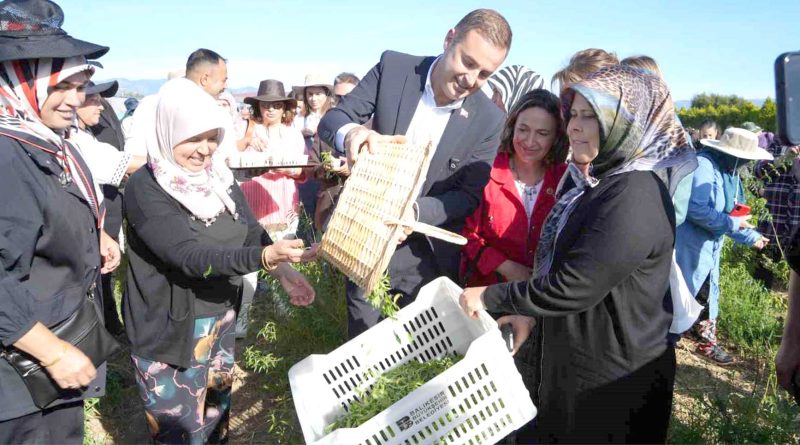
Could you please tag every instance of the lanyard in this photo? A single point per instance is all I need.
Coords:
(67, 160)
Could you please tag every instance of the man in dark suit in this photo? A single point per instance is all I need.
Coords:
(429, 99)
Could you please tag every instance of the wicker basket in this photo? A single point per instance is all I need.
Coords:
(382, 187)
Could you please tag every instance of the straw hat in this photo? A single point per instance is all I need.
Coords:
(271, 90)
(31, 29)
(739, 143)
(315, 80)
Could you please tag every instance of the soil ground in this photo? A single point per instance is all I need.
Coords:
(120, 420)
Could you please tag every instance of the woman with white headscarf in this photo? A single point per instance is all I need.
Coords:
(191, 238)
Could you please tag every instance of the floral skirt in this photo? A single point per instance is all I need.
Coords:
(191, 405)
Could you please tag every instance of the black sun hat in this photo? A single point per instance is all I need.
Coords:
(271, 90)
(105, 89)
(31, 29)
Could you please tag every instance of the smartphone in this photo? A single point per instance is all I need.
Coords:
(740, 210)
(787, 97)
(507, 332)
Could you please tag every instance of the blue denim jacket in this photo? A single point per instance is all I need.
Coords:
(698, 241)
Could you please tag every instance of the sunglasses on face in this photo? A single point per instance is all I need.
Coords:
(272, 105)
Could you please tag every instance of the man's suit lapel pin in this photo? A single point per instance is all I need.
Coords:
(463, 113)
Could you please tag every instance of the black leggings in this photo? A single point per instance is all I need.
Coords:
(633, 409)
(62, 424)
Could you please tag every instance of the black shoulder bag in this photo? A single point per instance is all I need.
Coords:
(84, 329)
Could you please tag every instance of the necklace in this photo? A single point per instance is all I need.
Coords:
(516, 176)
(527, 193)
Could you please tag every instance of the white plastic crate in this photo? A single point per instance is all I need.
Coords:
(479, 400)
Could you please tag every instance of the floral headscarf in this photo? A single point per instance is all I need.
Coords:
(184, 111)
(639, 131)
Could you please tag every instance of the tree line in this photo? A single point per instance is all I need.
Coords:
(728, 111)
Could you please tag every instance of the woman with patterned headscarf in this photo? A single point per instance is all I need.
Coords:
(601, 270)
(50, 219)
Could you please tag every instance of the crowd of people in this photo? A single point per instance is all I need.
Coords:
(595, 221)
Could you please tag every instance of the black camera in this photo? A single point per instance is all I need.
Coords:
(787, 94)
(787, 100)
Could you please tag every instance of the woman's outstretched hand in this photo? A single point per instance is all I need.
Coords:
(295, 284)
(284, 251)
(310, 254)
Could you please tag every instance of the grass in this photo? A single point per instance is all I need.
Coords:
(286, 335)
(751, 325)
(740, 405)
(736, 418)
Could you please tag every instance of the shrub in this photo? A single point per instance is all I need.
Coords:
(730, 114)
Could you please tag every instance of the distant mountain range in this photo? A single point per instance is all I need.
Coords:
(145, 87)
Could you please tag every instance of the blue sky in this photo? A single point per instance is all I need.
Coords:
(720, 46)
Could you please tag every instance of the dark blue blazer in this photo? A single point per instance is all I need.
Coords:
(459, 170)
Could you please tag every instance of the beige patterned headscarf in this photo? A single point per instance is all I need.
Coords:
(639, 131)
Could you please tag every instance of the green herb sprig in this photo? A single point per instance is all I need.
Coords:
(382, 299)
(389, 388)
(326, 157)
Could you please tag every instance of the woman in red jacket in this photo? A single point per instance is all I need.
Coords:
(503, 232)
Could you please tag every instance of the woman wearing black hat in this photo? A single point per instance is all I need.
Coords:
(49, 221)
(273, 196)
(108, 165)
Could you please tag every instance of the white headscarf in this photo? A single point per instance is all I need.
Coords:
(184, 111)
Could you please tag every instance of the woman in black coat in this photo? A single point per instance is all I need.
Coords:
(601, 271)
(50, 222)
(191, 237)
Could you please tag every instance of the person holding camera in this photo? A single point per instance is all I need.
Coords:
(787, 361)
(779, 187)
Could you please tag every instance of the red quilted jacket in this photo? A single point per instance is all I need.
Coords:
(501, 226)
